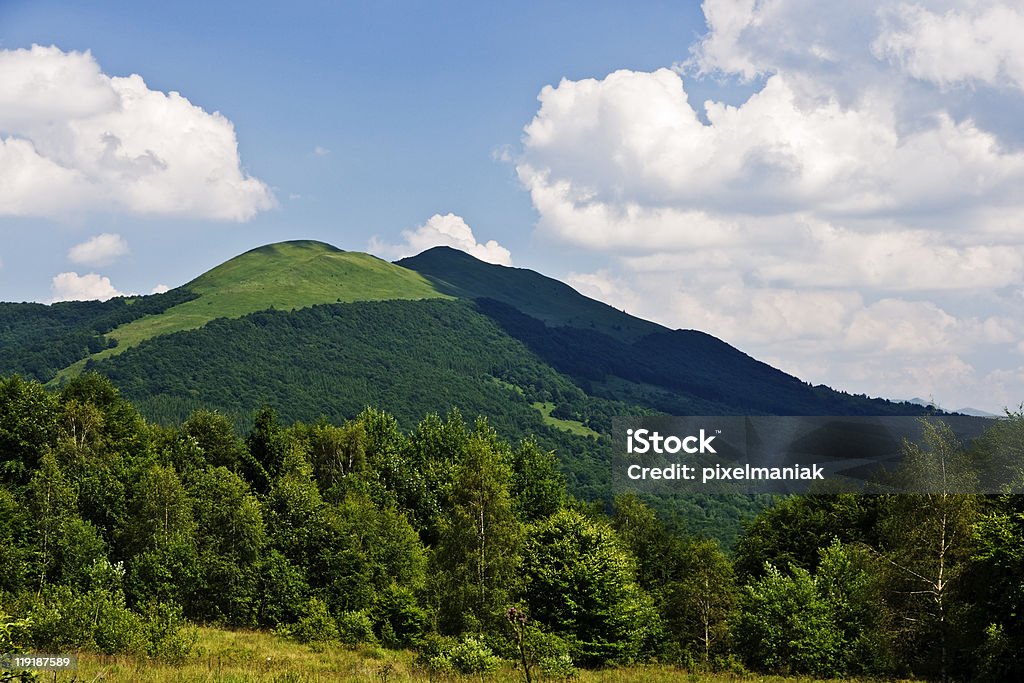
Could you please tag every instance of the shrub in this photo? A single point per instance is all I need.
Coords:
(169, 635)
(471, 656)
(435, 654)
(97, 620)
(315, 626)
(355, 628)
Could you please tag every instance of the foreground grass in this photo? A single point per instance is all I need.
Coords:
(244, 656)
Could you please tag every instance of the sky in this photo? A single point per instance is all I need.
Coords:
(834, 188)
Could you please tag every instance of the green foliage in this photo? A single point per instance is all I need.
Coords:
(38, 340)
(539, 485)
(315, 625)
(997, 567)
(927, 541)
(120, 532)
(14, 636)
(792, 531)
(355, 627)
(468, 655)
(63, 620)
(16, 553)
(700, 606)
(581, 584)
(786, 626)
(215, 436)
(477, 556)
(28, 425)
(849, 579)
(169, 636)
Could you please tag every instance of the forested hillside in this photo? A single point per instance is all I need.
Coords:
(448, 539)
(313, 331)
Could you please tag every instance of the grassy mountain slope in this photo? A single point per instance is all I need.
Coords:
(285, 275)
(553, 302)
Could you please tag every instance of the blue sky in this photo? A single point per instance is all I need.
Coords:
(833, 189)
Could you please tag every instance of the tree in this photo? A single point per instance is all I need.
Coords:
(216, 438)
(785, 626)
(160, 537)
(927, 537)
(16, 552)
(477, 555)
(28, 421)
(53, 504)
(997, 563)
(581, 583)
(538, 484)
(701, 603)
(335, 452)
(230, 537)
(267, 445)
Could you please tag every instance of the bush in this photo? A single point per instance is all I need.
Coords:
(400, 619)
(97, 620)
(315, 626)
(551, 654)
(435, 654)
(472, 656)
(355, 628)
(169, 635)
(445, 655)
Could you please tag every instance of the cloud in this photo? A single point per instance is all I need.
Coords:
(979, 44)
(631, 152)
(75, 287)
(319, 151)
(101, 250)
(75, 139)
(447, 230)
(160, 289)
(858, 216)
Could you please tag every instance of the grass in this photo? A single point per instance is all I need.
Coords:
(573, 426)
(260, 657)
(285, 276)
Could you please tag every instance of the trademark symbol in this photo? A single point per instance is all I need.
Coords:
(718, 431)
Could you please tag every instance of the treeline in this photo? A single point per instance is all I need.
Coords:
(119, 533)
(38, 340)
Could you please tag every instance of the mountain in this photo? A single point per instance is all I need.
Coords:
(554, 303)
(313, 331)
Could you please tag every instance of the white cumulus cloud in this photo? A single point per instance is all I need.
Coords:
(75, 287)
(858, 215)
(448, 230)
(101, 250)
(74, 139)
(980, 42)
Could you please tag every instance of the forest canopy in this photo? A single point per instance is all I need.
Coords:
(121, 534)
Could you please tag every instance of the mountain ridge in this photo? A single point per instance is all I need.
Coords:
(608, 352)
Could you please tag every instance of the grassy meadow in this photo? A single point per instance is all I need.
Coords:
(260, 657)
